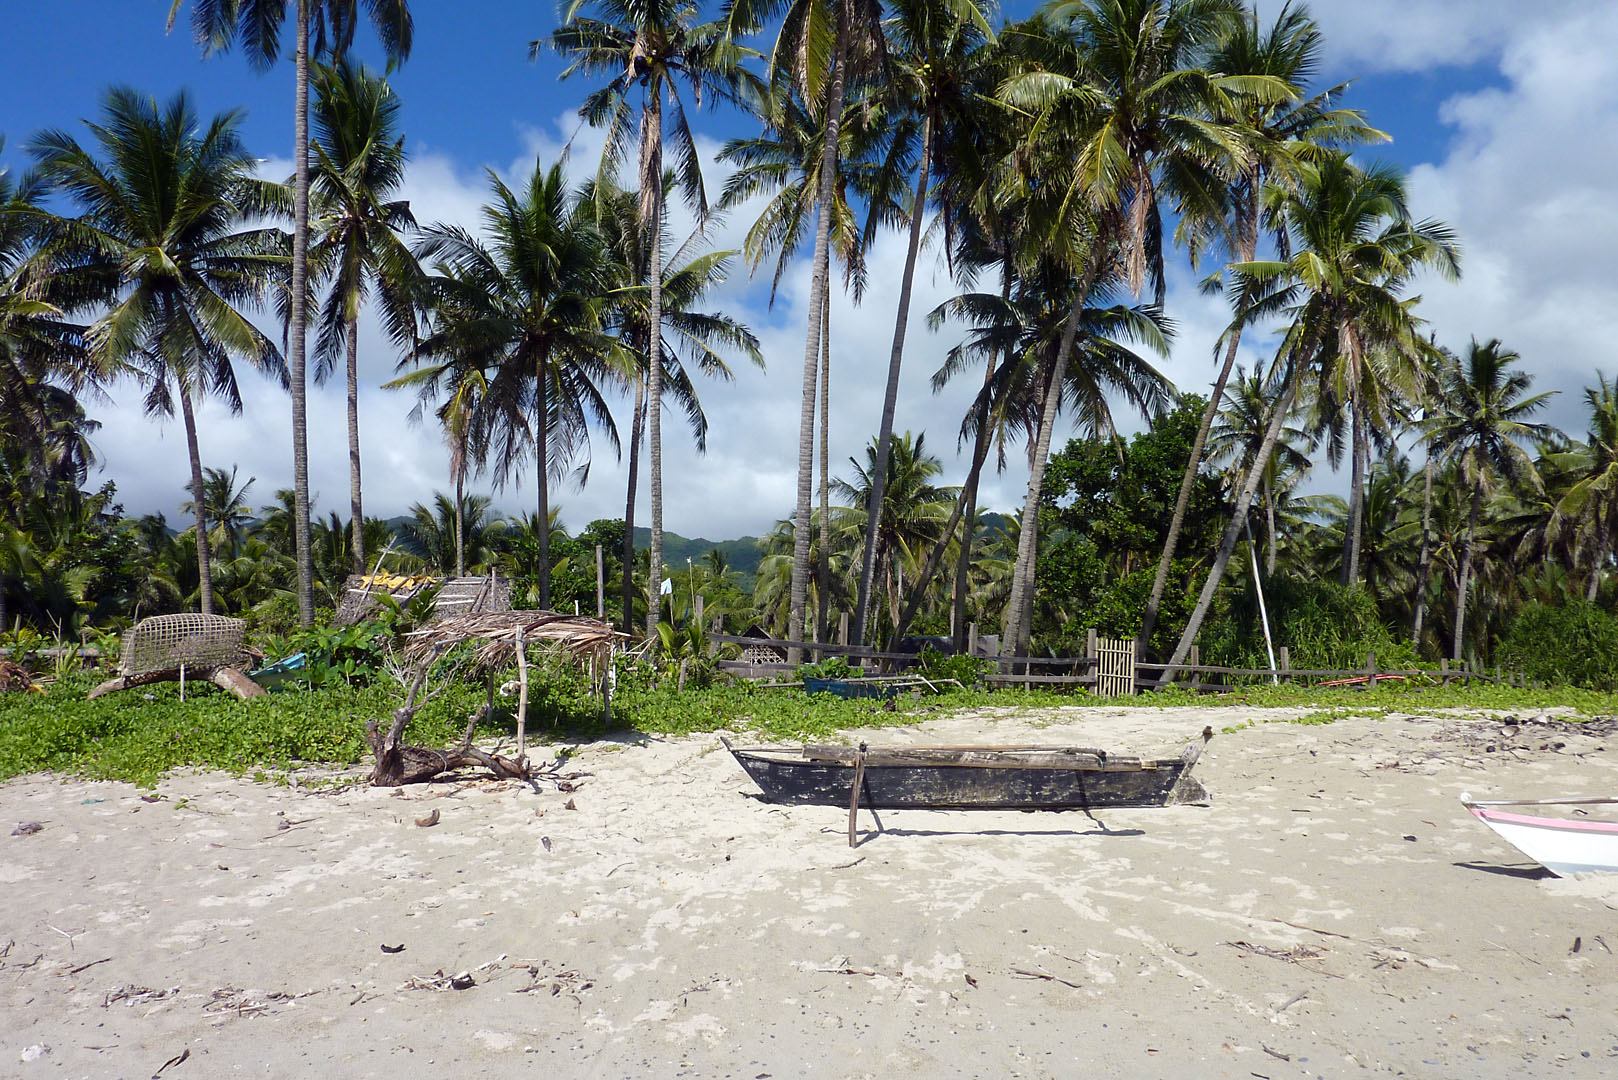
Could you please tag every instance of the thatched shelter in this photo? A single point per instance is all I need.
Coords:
(455, 596)
(500, 637)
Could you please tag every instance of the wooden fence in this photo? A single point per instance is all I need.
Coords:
(1109, 668)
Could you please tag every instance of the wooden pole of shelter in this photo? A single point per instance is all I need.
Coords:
(521, 647)
(601, 587)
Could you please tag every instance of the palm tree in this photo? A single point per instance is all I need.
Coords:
(1238, 434)
(658, 45)
(359, 165)
(784, 162)
(1028, 329)
(461, 374)
(930, 43)
(531, 304)
(1121, 88)
(217, 24)
(1353, 248)
(1481, 430)
(817, 48)
(1279, 134)
(226, 506)
(1589, 507)
(162, 215)
(447, 532)
(912, 515)
(692, 340)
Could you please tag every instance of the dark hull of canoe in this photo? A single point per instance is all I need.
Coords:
(953, 787)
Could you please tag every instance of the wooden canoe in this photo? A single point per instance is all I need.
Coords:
(971, 778)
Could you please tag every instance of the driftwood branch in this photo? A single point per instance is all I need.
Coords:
(226, 678)
(398, 764)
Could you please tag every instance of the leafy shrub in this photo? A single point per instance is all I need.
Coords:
(1574, 642)
(833, 667)
(967, 670)
(1323, 624)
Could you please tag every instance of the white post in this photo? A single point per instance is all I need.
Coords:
(522, 696)
(1263, 615)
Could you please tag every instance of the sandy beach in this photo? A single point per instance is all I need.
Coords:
(1330, 910)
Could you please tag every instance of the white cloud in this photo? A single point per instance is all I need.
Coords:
(1531, 186)
(1412, 35)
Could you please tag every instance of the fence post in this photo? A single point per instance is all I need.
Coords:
(1443, 671)
(971, 639)
(696, 610)
(601, 586)
(1285, 658)
(1370, 671)
(1196, 661)
(842, 628)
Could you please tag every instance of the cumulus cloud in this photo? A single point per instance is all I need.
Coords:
(1412, 35)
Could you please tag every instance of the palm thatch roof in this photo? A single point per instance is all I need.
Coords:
(582, 637)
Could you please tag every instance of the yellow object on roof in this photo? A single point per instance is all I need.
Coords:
(396, 582)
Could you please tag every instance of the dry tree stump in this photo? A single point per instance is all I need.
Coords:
(398, 764)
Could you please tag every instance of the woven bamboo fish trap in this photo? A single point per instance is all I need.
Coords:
(168, 642)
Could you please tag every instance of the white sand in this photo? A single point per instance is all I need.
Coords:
(1333, 909)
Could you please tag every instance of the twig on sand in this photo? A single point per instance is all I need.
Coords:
(1024, 973)
(65, 934)
(847, 865)
(1293, 1000)
(91, 964)
(175, 1060)
(1275, 1053)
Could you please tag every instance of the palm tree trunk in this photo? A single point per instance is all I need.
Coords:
(542, 469)
(460, 521)
(799, 596)
(1590, 590)
(823, 632)
(1424, 562)
(1269, 513)
(1182, 502)
(296, 329)
(1466, 570)
(890, 398)
(652, 203)
(1233, 529)
(636, 426)
(1020, 606)
(204, 562)
(355, 511)
(1355, 525)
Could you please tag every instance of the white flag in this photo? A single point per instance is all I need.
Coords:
(668, 587)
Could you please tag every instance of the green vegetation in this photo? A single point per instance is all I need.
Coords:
(1061, 163)
(138, 736)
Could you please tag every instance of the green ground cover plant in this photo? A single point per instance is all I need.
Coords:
(138, 736)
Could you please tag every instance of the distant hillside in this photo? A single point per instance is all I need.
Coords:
(741, 555)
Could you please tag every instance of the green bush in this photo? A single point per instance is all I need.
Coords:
(1323, 624)
(833, 667)
(967, 670)
(1575, 642)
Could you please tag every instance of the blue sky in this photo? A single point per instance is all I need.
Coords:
(1508, 124)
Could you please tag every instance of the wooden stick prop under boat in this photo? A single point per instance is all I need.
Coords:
(1561, 845)
(970, 777)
